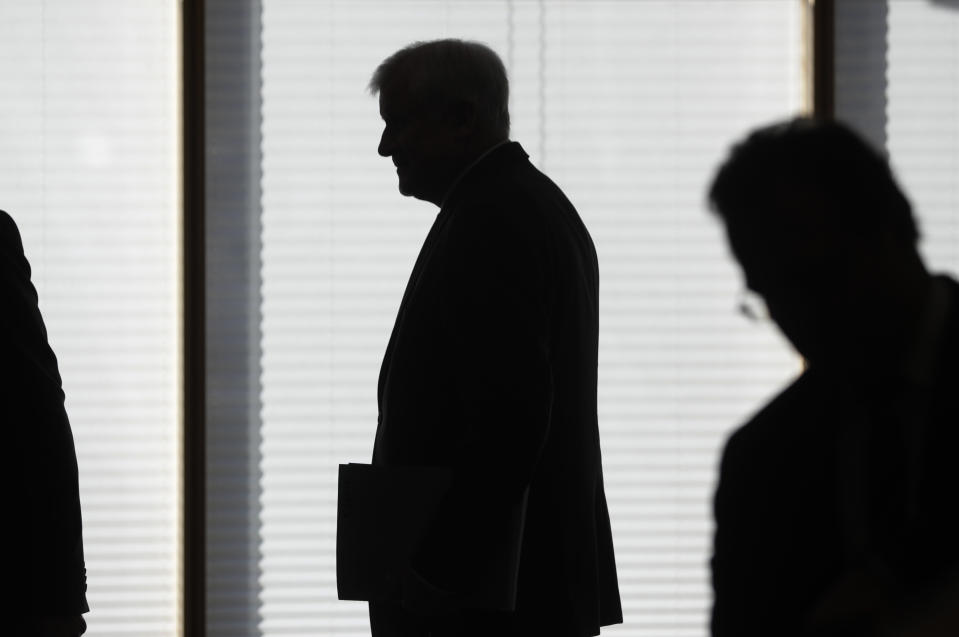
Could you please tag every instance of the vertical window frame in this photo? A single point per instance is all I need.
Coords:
(193, 316)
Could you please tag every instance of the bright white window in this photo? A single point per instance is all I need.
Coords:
(88, 169)
(629, 106)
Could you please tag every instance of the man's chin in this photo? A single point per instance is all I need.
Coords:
(411, 191)
(406, 189)
(419, 189)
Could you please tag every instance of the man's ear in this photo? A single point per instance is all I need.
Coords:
(461, 117)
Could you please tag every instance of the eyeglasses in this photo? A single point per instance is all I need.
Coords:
(752, 306)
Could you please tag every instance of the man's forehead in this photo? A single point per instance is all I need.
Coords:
(393, 101)
(386, 104)
(405, 99)
(791, 213)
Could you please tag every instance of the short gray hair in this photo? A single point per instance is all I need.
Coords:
(450, 69)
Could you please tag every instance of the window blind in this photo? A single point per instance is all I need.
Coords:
(923, 120)
(629, 106)
(88, 169)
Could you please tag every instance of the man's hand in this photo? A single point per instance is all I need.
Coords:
(425, 600)
(856, 599)
(935, 616)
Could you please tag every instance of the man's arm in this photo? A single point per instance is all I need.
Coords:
(45, 573)
(495, 313)
(735, 610)
(67, 626)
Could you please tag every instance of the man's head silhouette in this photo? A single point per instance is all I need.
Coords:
(443, 104)
(824, 234)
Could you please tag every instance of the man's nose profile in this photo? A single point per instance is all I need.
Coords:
(385, 148)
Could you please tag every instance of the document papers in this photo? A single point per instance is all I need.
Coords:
(381, 513)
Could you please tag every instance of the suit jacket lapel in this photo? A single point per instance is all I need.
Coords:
(421, 260)
(511, 149)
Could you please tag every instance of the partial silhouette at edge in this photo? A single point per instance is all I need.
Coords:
(835, 511)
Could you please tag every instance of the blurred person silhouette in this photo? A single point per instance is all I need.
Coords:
(44, 576)
(491, 369)
(836, 510)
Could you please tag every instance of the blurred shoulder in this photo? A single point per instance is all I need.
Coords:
(792, 420)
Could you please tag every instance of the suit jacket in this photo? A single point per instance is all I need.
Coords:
(43, 572)
(491, 371)
(819, 486)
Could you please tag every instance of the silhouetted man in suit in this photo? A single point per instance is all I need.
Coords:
(837, 511)
(491, 369)
(44, 580)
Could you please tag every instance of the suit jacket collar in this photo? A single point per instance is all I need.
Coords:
(466, 170)
(502, 152)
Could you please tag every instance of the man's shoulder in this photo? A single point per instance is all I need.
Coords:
(506, 175)
(511, 194)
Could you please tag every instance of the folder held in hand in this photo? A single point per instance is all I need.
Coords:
(381, 514)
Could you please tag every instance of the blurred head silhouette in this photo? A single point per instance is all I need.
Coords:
(443, 103)
(826, 237)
